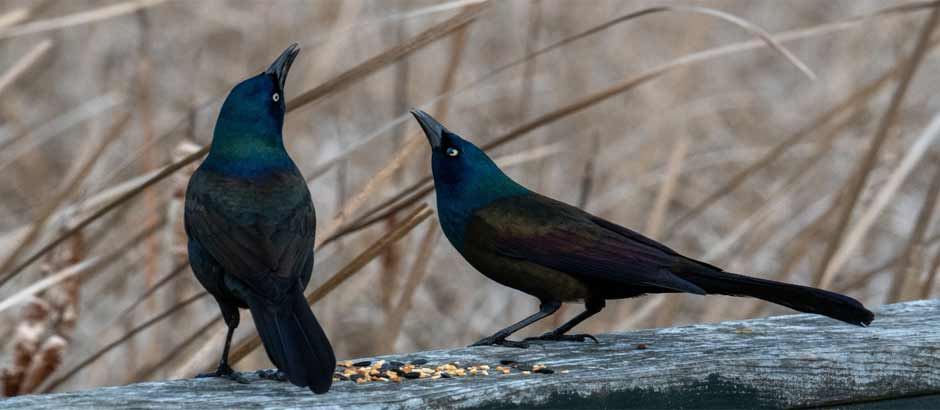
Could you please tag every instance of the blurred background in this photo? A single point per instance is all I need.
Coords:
(680, 125)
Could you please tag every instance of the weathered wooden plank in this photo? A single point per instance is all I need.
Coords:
(786, 361)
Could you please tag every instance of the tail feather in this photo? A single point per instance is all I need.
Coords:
(801, 298)
(295, 342)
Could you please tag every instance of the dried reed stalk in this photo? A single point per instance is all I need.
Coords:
(24, 63)
(66, 189)
(25, 345)
(419, 269)
(164, 280)
(59, 292)
(147, 371)
(929, 284)
(63, 301)
(906, 280)
(862, 94)
(654, 224)
(419, 189)
(127, 336)
(837, 251)
(859, 230)
(528, 70)
(13, 17)
(80, 18)
(391, 55)
(76, 271)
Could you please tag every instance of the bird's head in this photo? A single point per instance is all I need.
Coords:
(254, 109)
(461, 167)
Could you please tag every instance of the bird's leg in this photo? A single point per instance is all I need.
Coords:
(592, 307)
(546, 308)
(225, 371)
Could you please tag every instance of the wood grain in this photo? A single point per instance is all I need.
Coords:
(787, 361)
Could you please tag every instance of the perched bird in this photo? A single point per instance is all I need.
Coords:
(559, 253)
(251, 225)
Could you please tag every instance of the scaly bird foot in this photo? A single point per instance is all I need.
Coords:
(500, 341)
(225, 372)
(554, 337)
(273, 374)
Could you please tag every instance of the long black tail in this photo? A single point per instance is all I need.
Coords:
(801, 298)
(295, 342)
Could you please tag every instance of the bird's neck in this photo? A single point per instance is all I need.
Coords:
(456, 203)
(247, 154)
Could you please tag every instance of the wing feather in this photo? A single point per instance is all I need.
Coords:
(561, 237)
(260, 232)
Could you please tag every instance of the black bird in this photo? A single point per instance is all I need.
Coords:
(559, 253)
(251, 225)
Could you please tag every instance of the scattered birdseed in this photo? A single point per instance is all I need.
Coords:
(394, 371)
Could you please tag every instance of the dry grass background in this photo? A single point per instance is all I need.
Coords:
(728, 152)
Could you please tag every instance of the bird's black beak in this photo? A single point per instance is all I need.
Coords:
(281, 66)
(432, 129)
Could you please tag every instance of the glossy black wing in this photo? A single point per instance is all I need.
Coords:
(261, 231)
(561, 237)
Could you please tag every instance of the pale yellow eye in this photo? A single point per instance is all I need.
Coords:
(276, 97)
(452, 152)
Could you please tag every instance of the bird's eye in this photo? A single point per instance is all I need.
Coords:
(452, 152)
(276, 97)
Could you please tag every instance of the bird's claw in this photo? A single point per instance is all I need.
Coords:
(225, 372)
(500, 341)
(554, 337)
(273, 374)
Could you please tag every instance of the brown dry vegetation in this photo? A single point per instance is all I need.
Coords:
(680, 124)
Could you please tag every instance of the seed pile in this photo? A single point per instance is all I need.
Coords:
(395, 371)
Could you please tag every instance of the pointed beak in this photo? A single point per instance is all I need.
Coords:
(432, 129)
(281, 66)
